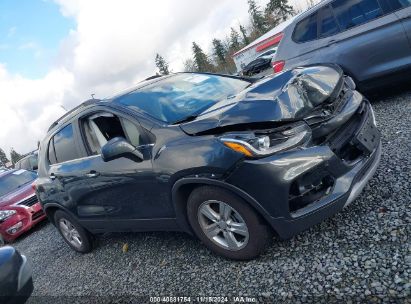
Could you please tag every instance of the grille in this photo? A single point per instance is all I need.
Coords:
(29, 201)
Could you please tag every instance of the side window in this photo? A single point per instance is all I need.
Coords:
(101, 127)
(328, 25)
(64, 145)
(306, 30)
(351, 13)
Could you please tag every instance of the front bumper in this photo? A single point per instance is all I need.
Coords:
(28, 217)
(272, 182)
(347, 189)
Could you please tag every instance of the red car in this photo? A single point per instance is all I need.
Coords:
(19, 207)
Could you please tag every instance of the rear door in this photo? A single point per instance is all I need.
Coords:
(372, 41)
(304, 47)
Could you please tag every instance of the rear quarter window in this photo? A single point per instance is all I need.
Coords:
(306, 29)
(394, 5)
(352, 13)
(328, 24)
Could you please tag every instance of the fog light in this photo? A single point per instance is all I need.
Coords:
(15, 228)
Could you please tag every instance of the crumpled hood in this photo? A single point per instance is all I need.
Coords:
(286, 97)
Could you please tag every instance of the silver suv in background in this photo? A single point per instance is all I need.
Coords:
(369, 39)
(28, 162)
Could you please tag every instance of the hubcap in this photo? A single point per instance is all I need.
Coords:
(223, 225)
(70, 233)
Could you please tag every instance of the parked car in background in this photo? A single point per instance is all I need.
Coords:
(369, 39)
(256, 66)
(16, 283)
(28, 162)
(19, 207)
(228, 159)
(268, 54)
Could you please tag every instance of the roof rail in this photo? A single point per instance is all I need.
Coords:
(82, 105)
(153, 77)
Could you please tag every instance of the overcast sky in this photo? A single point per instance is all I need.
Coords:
(54, 54)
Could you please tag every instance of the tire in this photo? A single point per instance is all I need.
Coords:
(249, 241)
(81, 240)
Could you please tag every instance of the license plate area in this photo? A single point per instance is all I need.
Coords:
(368, 136)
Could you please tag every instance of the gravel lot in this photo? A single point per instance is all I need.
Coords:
(362, 254)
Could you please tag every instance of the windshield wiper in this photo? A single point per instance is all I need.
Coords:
(185, 119)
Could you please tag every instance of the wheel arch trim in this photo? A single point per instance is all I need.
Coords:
(180, 203)
(55, 206)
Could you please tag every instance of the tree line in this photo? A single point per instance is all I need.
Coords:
(14, 157)
(220, 60)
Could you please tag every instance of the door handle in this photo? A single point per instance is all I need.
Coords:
(92, 174)
(331, 42)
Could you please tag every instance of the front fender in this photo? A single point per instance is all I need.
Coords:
(55, 206)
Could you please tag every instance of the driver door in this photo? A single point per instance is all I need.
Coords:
(121, 191)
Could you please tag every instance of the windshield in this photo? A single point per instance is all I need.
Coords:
(15, 180)
(268, 53)
(183, 95)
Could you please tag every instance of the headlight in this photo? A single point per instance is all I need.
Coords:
(4, 214)
(256, 145)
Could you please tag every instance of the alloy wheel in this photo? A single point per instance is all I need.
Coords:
(70, 233)
(223, 225)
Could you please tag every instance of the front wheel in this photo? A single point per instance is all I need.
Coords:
(226, 224)
(73, 233)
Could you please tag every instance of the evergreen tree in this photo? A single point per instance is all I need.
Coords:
(219, 51)
(3, 158)
(257, 17)
(234, 40)
(201, 60)
(15, 157)
(278, 10)
(246, 40)
(162, 65)
(189, 65)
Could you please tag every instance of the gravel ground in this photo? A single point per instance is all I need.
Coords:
(361, 254)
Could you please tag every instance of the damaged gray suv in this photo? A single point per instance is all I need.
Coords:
(231, 160)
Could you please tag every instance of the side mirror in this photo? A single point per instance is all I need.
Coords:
(118, 147)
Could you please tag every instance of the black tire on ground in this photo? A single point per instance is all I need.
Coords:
(86, 237)
(259, 233)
